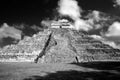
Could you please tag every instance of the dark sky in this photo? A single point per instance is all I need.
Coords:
(29, 11)
(33, 11)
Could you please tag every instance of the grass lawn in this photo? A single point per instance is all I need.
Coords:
(60, 71)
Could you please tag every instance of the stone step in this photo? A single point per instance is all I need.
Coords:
(60, 46)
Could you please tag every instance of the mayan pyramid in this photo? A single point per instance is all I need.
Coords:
(59, 45)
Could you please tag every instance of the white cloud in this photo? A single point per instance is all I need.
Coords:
(114, 30)
(46, 23)
(117, 3)
(69, 8)
(7, 31)
(73, 10)
(82, 25)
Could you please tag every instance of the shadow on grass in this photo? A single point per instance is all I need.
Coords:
(80, 75)
(100, 65)
(76, 75)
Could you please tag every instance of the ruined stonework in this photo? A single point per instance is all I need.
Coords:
(59, 45)
(26, 50)
(74, 46)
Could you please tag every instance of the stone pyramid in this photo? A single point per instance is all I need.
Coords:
(59, 45)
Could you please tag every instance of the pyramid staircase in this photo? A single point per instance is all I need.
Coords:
(69, 46)
(26, 50)
(74, 46)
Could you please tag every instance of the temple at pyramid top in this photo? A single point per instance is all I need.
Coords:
(64, 23)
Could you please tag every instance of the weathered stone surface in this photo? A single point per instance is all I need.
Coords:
(26, 50)
(59, 46)
(73, 46)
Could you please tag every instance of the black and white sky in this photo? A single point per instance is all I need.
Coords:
(32, 11)
(29, 11)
